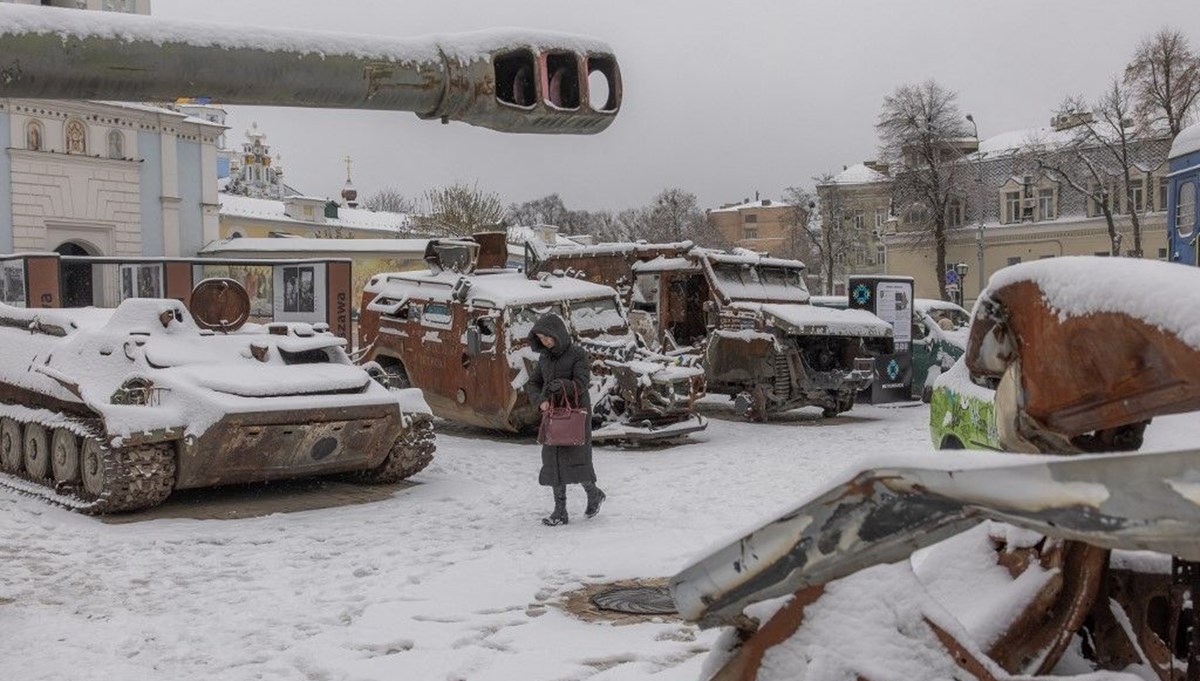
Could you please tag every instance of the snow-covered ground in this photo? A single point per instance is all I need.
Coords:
(446, 580)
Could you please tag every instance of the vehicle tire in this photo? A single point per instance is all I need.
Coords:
(10, 446)
(829, 412)
(64, 456)
(951, 442)
(35, 451)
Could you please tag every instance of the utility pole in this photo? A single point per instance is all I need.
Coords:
(978, 208)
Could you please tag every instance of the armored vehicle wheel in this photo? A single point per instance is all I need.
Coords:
(10, 446)
(126, 479)
(411, 453)
(64, 455)
(35, 450)
(91, 467)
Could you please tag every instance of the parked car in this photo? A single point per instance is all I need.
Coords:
(940, 331)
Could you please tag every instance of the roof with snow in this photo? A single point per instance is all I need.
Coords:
(763, 203)
(858, 173)
(233, 205)
(304, 245)
(1186, 142)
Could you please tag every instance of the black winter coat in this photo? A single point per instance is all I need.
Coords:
(563, 368)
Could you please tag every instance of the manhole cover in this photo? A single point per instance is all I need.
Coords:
(638, 600)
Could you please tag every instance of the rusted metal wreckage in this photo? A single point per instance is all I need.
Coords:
(1086, 356)
(746, 316)
(460, 334)
(111, 410)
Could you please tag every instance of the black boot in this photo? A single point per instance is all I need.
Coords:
(595, 497)
(559, 516)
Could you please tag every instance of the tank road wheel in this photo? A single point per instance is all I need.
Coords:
(10, 446)
(410, 454)
(126, 479)
(64, 456)
(35, 446)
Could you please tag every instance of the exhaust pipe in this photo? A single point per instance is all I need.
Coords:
(508, 80)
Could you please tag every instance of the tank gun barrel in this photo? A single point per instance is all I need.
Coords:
(510, 80)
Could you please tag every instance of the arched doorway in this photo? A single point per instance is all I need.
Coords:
(75, 277)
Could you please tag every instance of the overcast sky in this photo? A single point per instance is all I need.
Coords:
(721, 98)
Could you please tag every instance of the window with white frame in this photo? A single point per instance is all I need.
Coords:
(859, 220)
(1185, 209)
(1164, 188)
(1046, 208)
(750, 232)
(880, 217)
(1012, 207)
(881, 254)
(1137, 195)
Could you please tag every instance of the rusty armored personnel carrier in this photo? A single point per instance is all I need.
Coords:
(105, 410)
(747, 316)
(460, 334)
(1083, 563)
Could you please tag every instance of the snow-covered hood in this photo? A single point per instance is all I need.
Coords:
(821, 321)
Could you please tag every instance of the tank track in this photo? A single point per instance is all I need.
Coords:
(410, 454)
(135, 477)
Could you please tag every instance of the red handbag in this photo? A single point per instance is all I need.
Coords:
(564, 425)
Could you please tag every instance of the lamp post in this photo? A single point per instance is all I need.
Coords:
(978, 207)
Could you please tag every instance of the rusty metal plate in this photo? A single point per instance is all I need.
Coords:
(220, 304)
(637, 600)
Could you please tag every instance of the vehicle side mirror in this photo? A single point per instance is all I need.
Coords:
(474, 344)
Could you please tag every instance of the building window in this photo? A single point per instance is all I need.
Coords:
(859, 220)
(1164, 186)
(750, 232)
(1014, 260)
(76, 137)
(1012, 207)
(954, 213)
(1185, 209)
(881, 254)
(34, 136)
(116, 144)
(751, 218)
(1099, 195)
(880, 217)
(1137, 191)
(1045, 202)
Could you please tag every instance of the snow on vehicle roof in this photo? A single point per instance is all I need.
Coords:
(501, 290)
(1081, 285)
(233, 205)
(858, 174)
(665, 264)
(926, 304)
(1186, 142)
(828, 320)
(743, 259)
(474, 46)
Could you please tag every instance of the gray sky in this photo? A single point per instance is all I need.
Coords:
(721, 98)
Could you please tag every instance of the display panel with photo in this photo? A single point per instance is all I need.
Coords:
(141, 281)
(12, 282)
(299, 289)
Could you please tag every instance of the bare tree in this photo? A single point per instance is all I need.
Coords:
(389, 200)
(920, 127)
(1102, 149)
(548, 210)
(1164, 77)
(458, 210)
(816, 228)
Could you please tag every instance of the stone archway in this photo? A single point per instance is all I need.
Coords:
(76, 277)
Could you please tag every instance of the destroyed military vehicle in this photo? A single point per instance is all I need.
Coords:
(747, 316)
(107, 410)
(460, 333)
(1076, 563)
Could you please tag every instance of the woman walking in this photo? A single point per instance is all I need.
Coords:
(562, 370)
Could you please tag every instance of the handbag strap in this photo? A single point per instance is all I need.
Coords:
(566, 399)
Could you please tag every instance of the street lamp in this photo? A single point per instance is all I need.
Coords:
(978, 205)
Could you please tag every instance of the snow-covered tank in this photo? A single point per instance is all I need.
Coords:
(108, 410)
